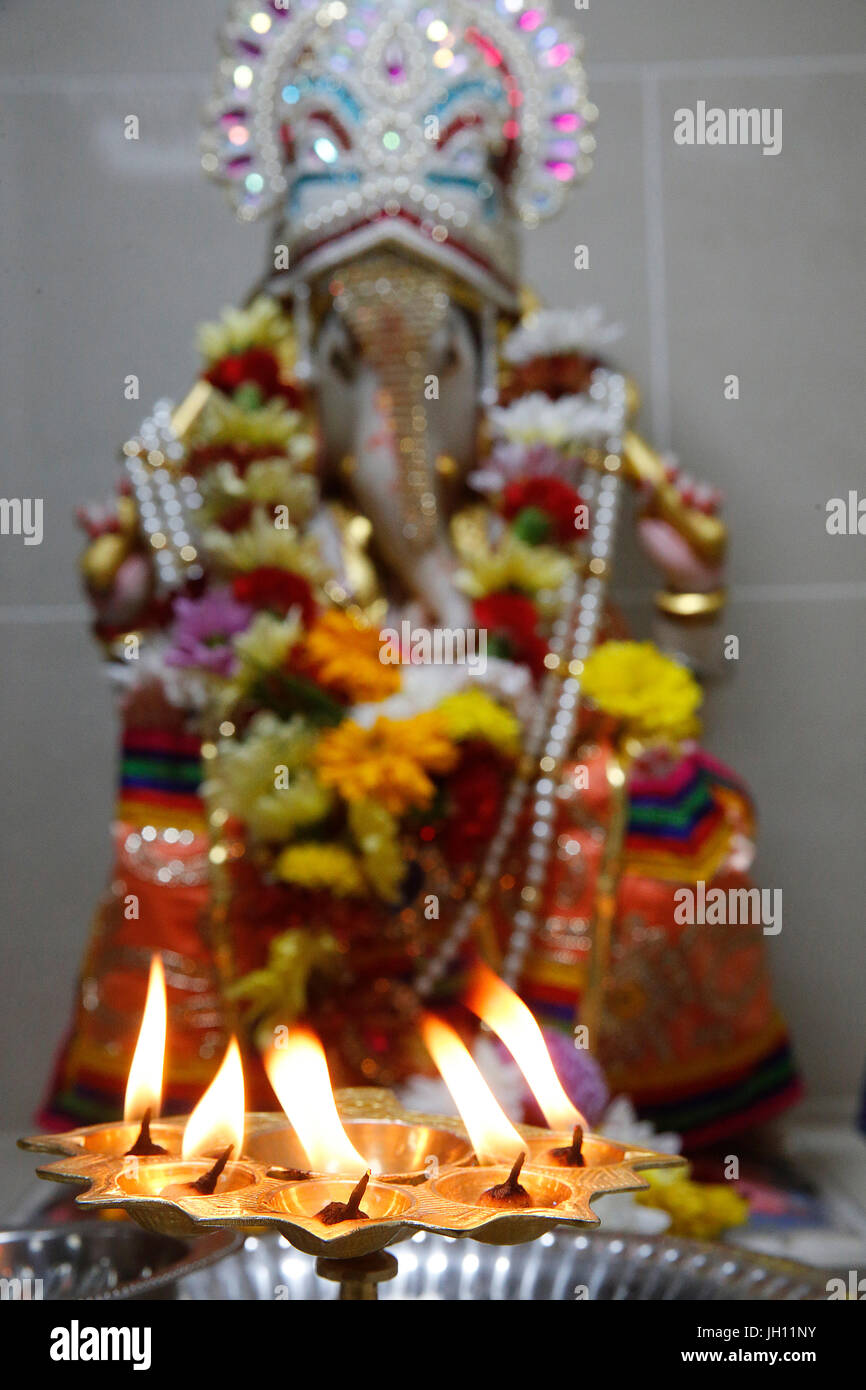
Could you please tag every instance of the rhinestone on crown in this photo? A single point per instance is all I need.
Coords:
(433, 125)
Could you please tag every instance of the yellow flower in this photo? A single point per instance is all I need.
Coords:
(265, 780)
(315, 865)
(474, 714)
(697, 1209)
(388, 763)
(261, 324)
(261, 649)
(513, 565)
(278, 479)
(275, 481)
(374, 830)
(277, 993)
(653, 695)
(262, 543)
(345, 658)
(223, 421)
(264, 646)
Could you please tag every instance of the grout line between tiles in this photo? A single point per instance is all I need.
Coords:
(654, 245)
(822, 591)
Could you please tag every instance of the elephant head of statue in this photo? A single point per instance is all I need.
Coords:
(397, 371)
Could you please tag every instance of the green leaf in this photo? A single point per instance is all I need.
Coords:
(532, 525)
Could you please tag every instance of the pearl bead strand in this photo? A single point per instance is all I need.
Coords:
(165, 500)
(578, 624)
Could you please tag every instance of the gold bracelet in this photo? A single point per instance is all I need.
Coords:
(704, 533)
(690, 605)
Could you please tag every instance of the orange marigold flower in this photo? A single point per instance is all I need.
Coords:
(344, 657)
(388, 763)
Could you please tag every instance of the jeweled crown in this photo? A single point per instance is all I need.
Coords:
(433, 124)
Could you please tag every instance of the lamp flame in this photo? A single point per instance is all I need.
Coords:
(298, 1072)
(218, 1119)
(492, 1133)
(144, 1084)
(503, 1011)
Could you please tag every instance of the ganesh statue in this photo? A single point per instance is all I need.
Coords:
(379, 716)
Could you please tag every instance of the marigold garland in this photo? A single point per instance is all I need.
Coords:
(313, 865)
(473, 714)
(277, 992)
(308, 665)
(344, 657)
(261, 325)
(374, 830)
(265, 780)
(513, 564)
(701, 1211)
(389, 763)
(653, 695)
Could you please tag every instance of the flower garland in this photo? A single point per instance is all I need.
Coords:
(331, 768)
(332, 761)
(651, 695)
(334, 767)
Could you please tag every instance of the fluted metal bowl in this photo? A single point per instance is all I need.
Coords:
(102, 1259)
(560, 1266)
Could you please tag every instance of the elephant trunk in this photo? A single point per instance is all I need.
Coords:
(394, 311)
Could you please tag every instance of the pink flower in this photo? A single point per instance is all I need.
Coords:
(203, 629)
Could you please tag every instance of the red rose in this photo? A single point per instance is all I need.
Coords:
(236, 517)
(242, 455)
(279, 590)
(555, 499)
(512, 619)
(564, 374)
(257, 367)
(475, 792)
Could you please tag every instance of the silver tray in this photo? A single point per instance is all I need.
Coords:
(554, 1268)
(102, 1259)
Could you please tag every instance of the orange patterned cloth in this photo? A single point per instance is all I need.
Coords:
(689, 1029)
(158, 899)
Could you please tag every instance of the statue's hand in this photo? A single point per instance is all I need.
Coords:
(683, 568)
(118, 577)
(128, 593)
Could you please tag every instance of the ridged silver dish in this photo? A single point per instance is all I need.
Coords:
(102, 1259)
(558, 1267)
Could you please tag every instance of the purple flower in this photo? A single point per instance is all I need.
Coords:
(581, 1076)
(203, 629)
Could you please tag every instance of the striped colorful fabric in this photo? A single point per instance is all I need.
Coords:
(691, 1034)
(160, 777)
(679, 825)
(763, 1084)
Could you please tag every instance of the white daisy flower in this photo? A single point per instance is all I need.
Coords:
(557, 332)
(570, 422)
